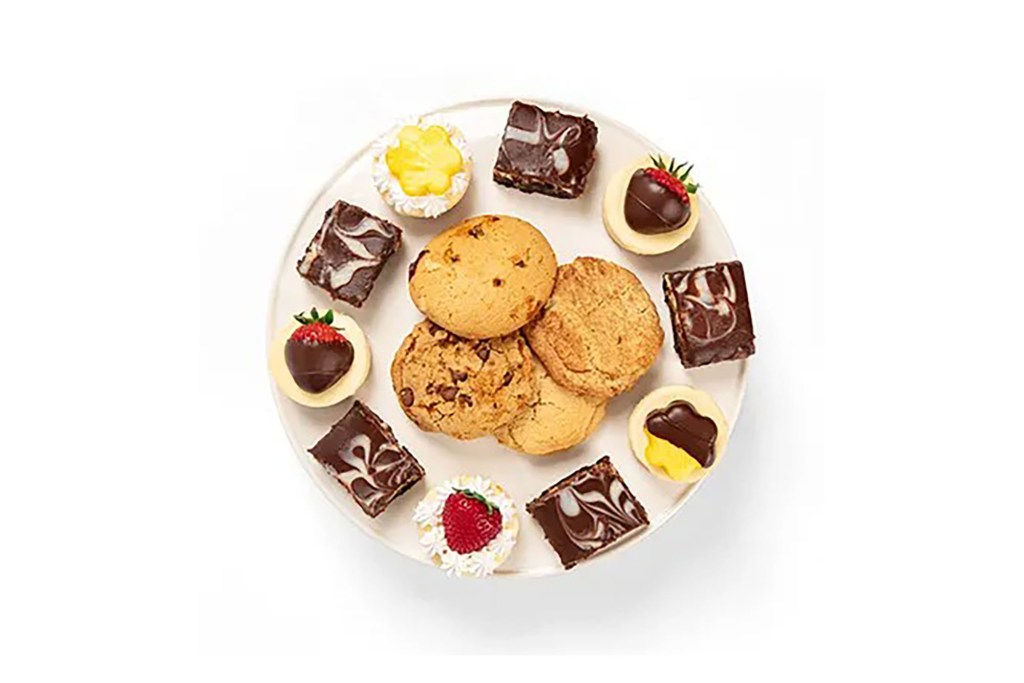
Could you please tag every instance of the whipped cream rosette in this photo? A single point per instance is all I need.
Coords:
(422, 167)
(467, 526)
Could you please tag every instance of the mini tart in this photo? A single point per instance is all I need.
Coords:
(340, 390)
(660, 398)
(428, 204)
(429, 524)
(626, 237)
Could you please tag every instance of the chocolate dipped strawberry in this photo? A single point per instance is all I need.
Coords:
(658, 197)
(316, 353)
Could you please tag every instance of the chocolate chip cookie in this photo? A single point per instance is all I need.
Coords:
(599, 332)
(485, 277)
(461, 387)
(558, 419)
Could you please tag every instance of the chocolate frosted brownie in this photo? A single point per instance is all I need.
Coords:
(545, 151)
(348, 252)
(710, 313)
(361, 452)
(587, 511)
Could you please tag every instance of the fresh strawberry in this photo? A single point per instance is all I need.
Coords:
(470, 521)
(317, 354)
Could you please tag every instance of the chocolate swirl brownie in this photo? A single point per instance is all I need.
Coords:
(361, 452)
(348, 252)
(710, 314)
(545, 151)
(587, 511)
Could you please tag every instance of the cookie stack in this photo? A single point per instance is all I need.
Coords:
(516, 346)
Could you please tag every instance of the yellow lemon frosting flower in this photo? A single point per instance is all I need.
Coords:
(672, 460)
(424, 160)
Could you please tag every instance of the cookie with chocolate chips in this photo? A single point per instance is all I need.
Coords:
(462, 387)
(485, 277)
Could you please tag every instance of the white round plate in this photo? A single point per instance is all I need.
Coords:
(574, 228)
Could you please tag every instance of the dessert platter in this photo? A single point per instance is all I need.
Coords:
(510, 338)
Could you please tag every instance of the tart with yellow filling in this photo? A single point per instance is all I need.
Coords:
(422, 168)
(679, 433)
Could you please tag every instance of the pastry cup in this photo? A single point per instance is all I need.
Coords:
(429, 205)
(430, 526)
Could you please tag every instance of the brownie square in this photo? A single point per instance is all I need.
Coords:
(361, 452)
(348, 252)
(545, 151)
(710, 313)
(587, 511)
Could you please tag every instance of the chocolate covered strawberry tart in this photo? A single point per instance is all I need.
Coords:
(651, 206)
(319, 360)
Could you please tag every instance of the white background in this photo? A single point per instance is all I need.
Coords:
(866, 160)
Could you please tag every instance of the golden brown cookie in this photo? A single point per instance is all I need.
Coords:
(485, 277)
(558, 419)
(599, 332)
(461, 387)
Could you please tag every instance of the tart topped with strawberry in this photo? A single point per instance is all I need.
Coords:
(467, 526)
(319, 360)
(651, 206)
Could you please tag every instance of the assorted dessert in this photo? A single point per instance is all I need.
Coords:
(319, 361)
(514, 345)
(422, 168)
(651, 206)
(678, 432)
(467, 526)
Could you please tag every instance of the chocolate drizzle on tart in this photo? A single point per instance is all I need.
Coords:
(683, 427)
(587, 511)
(657, 197)
(361, 452)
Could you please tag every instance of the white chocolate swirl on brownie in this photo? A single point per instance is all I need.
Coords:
(361, 452)
(708, 298)
(553, 143)
(593, 509)
(348, 252)
(587, 511)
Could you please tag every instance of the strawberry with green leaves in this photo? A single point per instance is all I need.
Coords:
(470, 521)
